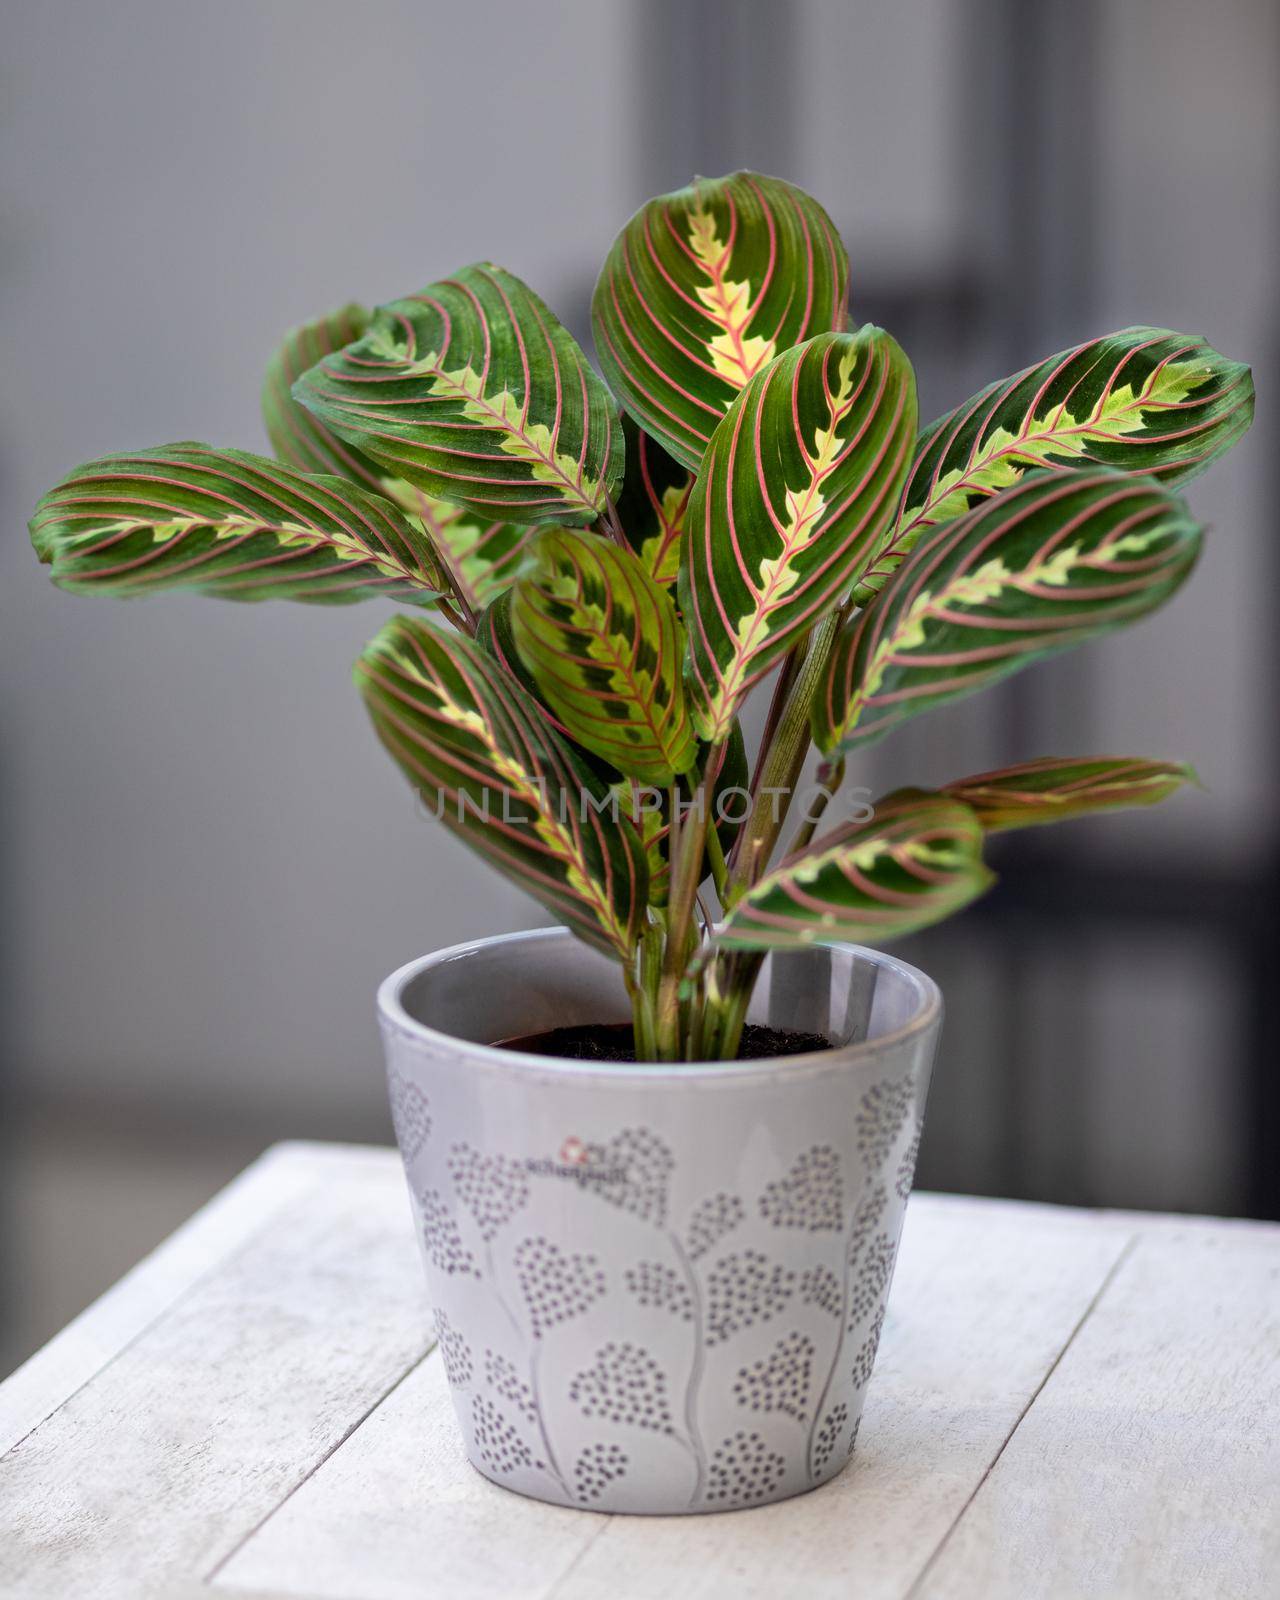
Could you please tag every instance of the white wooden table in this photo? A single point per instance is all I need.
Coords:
(1066, 1404)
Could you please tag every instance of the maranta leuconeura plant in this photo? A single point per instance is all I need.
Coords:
(596, 571)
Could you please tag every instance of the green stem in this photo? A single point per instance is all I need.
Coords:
(641, 1018)
(715, 855)
(610, 526)
(456, 610)
(735, 978)
(830, 777)
(687, 841)
(642, 987)
(781, 764)
(782, 688)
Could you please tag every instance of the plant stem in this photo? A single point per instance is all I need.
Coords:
(782, 762)
(782, 687)
(686, 843)
(830, 777)
(458, 613)
(733, 979)
(715, 855)
(609, 523)
(641, 1017)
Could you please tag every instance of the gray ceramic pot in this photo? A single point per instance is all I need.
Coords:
(656, 1288)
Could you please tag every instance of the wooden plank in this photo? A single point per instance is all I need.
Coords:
(151, 1472)
(1149, 1465)
(399, 1513)
(241, 1210)
(986, 1297)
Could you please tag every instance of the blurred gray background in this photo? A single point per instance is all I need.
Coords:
(206, 863)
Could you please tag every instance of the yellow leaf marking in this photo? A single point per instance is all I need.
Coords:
(736, 355)
(555, 834)
(630, 797)
(610, 634)
(456, 534)
(1004, 457)
(530, 442)
(345, 546)
(661, 552)
(861, 858)
(803, 509)
(975, 589)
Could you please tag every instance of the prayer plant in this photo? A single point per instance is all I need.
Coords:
(618, 563)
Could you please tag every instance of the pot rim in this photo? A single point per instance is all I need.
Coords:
(666, 1074)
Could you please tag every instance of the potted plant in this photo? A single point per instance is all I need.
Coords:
(659, 1157)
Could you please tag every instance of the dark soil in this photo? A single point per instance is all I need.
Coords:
(614, 1042)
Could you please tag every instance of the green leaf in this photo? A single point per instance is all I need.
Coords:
(231, 524)
(473, 391)
(603, 643)
(496, 638)
(298, 437)
(649, 809)
(1057, 560)
(918, 860)
(702, 289)
(483, 557)
(1141, 400)
(653, 502)
(797, 492)
(1058, 787)
(476, 747)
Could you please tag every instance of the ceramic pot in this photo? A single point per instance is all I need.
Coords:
(656, 1288)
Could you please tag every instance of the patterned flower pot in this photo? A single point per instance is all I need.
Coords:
(656, 1288)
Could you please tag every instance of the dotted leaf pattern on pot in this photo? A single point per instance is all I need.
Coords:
(596, 1468)
(498, 1441)
(907, 1166)
(410, 1115)
(750, 1317)
(506, 1382)
(743, 1289)
(833, 1425)
(811, 1196)
(820, 1287)
(625, 1385)
(873, 1280)
(885, 1107)
(556, 1286)
(654, 1283)
(492, 1188)
(866, 1219)
(445, 1248)
(780, 1382)
(865, 1359)
(644, 1162)
(716, 1216)
(743, 1470)
(455, 1352)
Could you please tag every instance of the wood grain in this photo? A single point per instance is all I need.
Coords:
(203, 1423)
(1069, 1405)
(1150, 1463)
(985, 1299)
(89, 1342)
(403, 1516)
